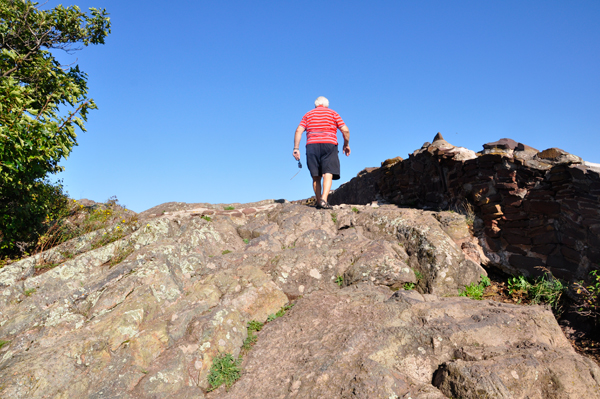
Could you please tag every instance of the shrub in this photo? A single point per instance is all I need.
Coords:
(42, 102)
(27, 213)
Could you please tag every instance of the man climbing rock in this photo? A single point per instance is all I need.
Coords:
(321, 125)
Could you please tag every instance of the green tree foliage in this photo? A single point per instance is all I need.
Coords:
(41, 102)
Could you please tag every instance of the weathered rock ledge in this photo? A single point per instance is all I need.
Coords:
(150, 325)
(533, 208)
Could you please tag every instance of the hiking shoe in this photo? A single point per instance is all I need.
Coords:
(325, 205)
(319, 204)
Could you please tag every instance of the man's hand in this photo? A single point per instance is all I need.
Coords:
(346, 134)
(297, 136)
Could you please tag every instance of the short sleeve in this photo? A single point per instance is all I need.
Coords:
(303, 122)
(339, 121)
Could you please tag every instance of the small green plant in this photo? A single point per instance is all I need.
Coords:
(544, 289)
(418, 275)
(2, 343)
(229, 208)
(253, 326)
(339, 280)
(485, 281)
(334, 217)
(280, 312)
(409, 286)
(590, 294)
(224, 370)
(208, 219)
(354, 209)
(249, 341)
(29, 291)
(226, 252)
(476, 291)
(516, 284)
(246, 241)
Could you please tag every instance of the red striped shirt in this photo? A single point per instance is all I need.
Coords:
(321, 125)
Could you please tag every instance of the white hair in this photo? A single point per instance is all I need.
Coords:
(322, 101)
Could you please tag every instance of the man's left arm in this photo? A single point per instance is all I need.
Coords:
(346, 134)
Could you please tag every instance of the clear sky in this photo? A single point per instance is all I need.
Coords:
(198, 100)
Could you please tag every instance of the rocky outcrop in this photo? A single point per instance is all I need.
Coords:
(533, 208)
(360, 342)
(144, 315)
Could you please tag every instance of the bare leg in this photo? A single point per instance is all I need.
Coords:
(327, 178)
(317, 187)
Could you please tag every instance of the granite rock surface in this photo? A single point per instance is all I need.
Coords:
(144, 316)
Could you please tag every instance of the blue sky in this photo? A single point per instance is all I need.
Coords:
(198, 101)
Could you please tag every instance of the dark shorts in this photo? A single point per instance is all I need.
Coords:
(323, 158)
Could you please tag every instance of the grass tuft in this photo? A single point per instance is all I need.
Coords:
(544, 289)
(418, 275)
(224, 370)
(280, 313)
(253, 326)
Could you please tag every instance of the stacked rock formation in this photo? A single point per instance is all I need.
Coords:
(151, 324)
(533, 208)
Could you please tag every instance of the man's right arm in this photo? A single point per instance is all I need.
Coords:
(297, 137)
